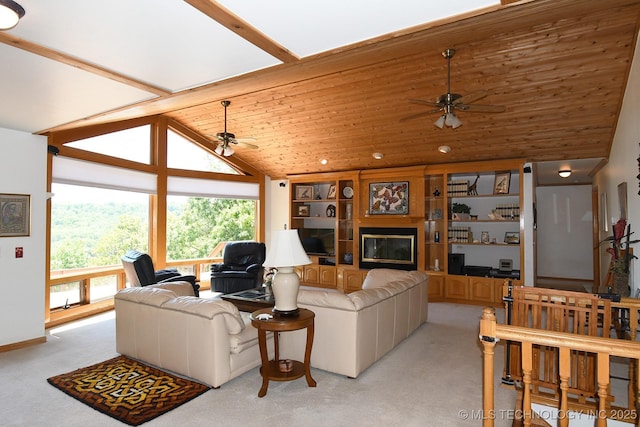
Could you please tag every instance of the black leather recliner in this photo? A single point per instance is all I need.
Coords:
(139, 270)
(241, 267)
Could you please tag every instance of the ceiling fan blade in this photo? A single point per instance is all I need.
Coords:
(423, 102)
(474, 96)
(245, 144)
(475, 108)
(415, 116)
(246, 139)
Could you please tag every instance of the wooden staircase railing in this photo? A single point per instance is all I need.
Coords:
(603, 348)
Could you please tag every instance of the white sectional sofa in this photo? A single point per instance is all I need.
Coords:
(167, 326)
(353, 331)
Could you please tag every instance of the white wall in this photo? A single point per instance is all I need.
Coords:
(277, 215)
(565, 243)
(23, 168)
(623, 167)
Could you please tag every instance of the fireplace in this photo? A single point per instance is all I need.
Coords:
(389, 248)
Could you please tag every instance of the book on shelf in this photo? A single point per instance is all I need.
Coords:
(458, 188)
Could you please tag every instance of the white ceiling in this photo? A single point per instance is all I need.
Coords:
(168, 46)
(172, 46)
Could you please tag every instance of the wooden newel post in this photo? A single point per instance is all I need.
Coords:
(488, 338)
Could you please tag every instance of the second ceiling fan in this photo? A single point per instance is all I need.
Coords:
(226, 139)
(449, 102)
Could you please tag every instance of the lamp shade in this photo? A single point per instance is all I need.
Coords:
(285, 253)
(10, 14)
(286, 250)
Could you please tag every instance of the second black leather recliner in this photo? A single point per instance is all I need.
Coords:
(241, 267)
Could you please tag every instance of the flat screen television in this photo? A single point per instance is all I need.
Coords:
(318, 241)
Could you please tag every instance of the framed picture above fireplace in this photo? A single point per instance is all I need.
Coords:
(389, 198)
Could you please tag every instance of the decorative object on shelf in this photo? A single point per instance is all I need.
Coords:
(436, 214)
(304, 192)
(316, 192)
(460, 212)
(436, 237)
(501, 183)
(436, 265)
(389, 198)
(331, 211)
(473, 188)
(348, 258)
(304, 210)
(285, 253)
(331, 194)
(512, 237)
(474, 217)
(15, 210)
(621, 257)
(348, 211)
(484, 237)
(347, 192)
(436, 192)
(495, 216)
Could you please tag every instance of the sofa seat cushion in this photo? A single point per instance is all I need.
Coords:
(208, 309)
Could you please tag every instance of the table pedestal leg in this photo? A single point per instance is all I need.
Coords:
(307, 356)
(264, 355)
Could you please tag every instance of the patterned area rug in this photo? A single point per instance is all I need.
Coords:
(127, 390)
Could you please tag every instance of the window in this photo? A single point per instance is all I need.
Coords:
(184, 154)
(195, 225)
(130, 144)
(93, 227)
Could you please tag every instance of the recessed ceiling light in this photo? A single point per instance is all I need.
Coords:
(565, 173)
(378, 156)
(444, 149)
(324, 161)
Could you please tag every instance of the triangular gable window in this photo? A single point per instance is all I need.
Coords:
(129, 144)
(184, 154)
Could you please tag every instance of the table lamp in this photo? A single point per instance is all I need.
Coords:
(286, 252)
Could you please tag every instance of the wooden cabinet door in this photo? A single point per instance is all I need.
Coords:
(311, 274)
(435, 287)
(455, 287)
(327, 276)
(482, 289)
(352, 279)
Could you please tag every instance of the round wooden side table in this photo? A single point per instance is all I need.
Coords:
(271, 368)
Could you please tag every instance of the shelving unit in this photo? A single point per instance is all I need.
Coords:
(435, 209)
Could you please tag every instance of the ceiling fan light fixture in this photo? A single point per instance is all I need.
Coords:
(440, 122)
(444, 149)
(10, 13)
(564, 173)
(228, 151)
(452, 121)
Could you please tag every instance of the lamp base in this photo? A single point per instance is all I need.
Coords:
(286, 313)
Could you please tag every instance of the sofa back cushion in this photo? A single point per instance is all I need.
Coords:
(209, 309)
(381, 276)
(147, 295)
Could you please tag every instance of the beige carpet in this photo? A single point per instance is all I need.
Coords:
(426, 381)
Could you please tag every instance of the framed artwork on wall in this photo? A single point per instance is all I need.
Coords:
(15, 215)
(331, 194)
(389, 198)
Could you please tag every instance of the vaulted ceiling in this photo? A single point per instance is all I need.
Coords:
(559, 67)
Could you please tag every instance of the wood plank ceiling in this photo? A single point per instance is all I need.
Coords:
(558, 66)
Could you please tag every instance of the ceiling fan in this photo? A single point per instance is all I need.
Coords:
(226, 138)
(449, 102)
